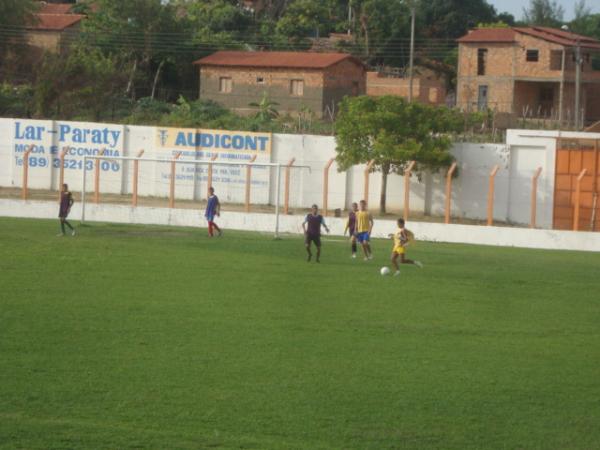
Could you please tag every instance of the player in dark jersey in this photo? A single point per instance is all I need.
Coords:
(351, 227)
(66, 201)
(312, 231)
(213, 208)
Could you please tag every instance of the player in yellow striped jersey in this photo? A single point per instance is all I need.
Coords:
(364, 226)
(402, 238)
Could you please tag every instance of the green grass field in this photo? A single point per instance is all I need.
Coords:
(160, 338)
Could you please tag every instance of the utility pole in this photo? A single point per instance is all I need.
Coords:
(412, 51)
(577, 84)
(349, 17)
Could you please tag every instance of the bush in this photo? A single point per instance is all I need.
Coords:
(16, 101)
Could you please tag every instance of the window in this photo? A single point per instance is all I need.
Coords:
(260, 80)
(297, 87)
(225, 85)
(481, 59)
(532, 55)
(556, 60)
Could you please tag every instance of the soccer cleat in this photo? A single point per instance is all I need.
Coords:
(366, 258)
(354, 255)
(419, 264)
(308, 258)
(396, 273)
(370, 256)
(60, 234)
(73, 233)
(219, 233)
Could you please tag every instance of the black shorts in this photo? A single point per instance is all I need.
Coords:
(313, 238)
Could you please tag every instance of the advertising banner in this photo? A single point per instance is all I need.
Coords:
(224, 146)
(48, 139)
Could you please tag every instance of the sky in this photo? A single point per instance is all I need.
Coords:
(515, 7)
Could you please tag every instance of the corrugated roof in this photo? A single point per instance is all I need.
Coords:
(54, 22)
(55, 8)
(553, 35)
(489, 35)
(292, 60)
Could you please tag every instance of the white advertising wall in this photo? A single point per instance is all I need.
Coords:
(518, 159)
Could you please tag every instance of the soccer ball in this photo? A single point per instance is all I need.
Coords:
(384, 271)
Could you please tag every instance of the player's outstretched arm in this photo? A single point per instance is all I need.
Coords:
(324, 225)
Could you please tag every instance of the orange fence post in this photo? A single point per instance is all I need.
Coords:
(577, 200)
(61, 170)
(134, 197)
(534, 182)
(326, 185)
(24, 188)
(490, 207)
(249, 182)
(367, 173)
(407, 173)
(286, 204)
(172, 187)
(210, 175)
(449, 192)
(97, 178)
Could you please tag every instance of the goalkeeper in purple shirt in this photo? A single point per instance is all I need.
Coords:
(66, 201)
(213, 208)
(312, 231)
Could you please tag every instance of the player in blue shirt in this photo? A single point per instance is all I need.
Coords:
(213, 208)
(312, 231)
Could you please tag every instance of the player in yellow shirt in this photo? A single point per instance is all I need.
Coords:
(402, 238)
(364, 226)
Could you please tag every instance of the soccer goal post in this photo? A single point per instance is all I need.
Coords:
(120, 175)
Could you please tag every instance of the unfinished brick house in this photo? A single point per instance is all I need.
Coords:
(297, 81)
(528, 72)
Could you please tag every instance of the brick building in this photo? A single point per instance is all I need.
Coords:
(428, 88)
(527, 72)
(295, 80)
(53, 26)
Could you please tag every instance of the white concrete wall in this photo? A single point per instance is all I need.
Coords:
(518, 159)
(435, 232)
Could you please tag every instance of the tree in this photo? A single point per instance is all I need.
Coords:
(82, 84)
(451, 19)
(144, 32)
(303, 19)
(547, 13)
(14, 14)
(393, 132)
(584, 22)
(217, 22)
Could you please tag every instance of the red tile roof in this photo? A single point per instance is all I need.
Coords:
(489, 35)
(55, 8)
(553, 35)
(560, 37)
(292, 60)
(54, 22)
